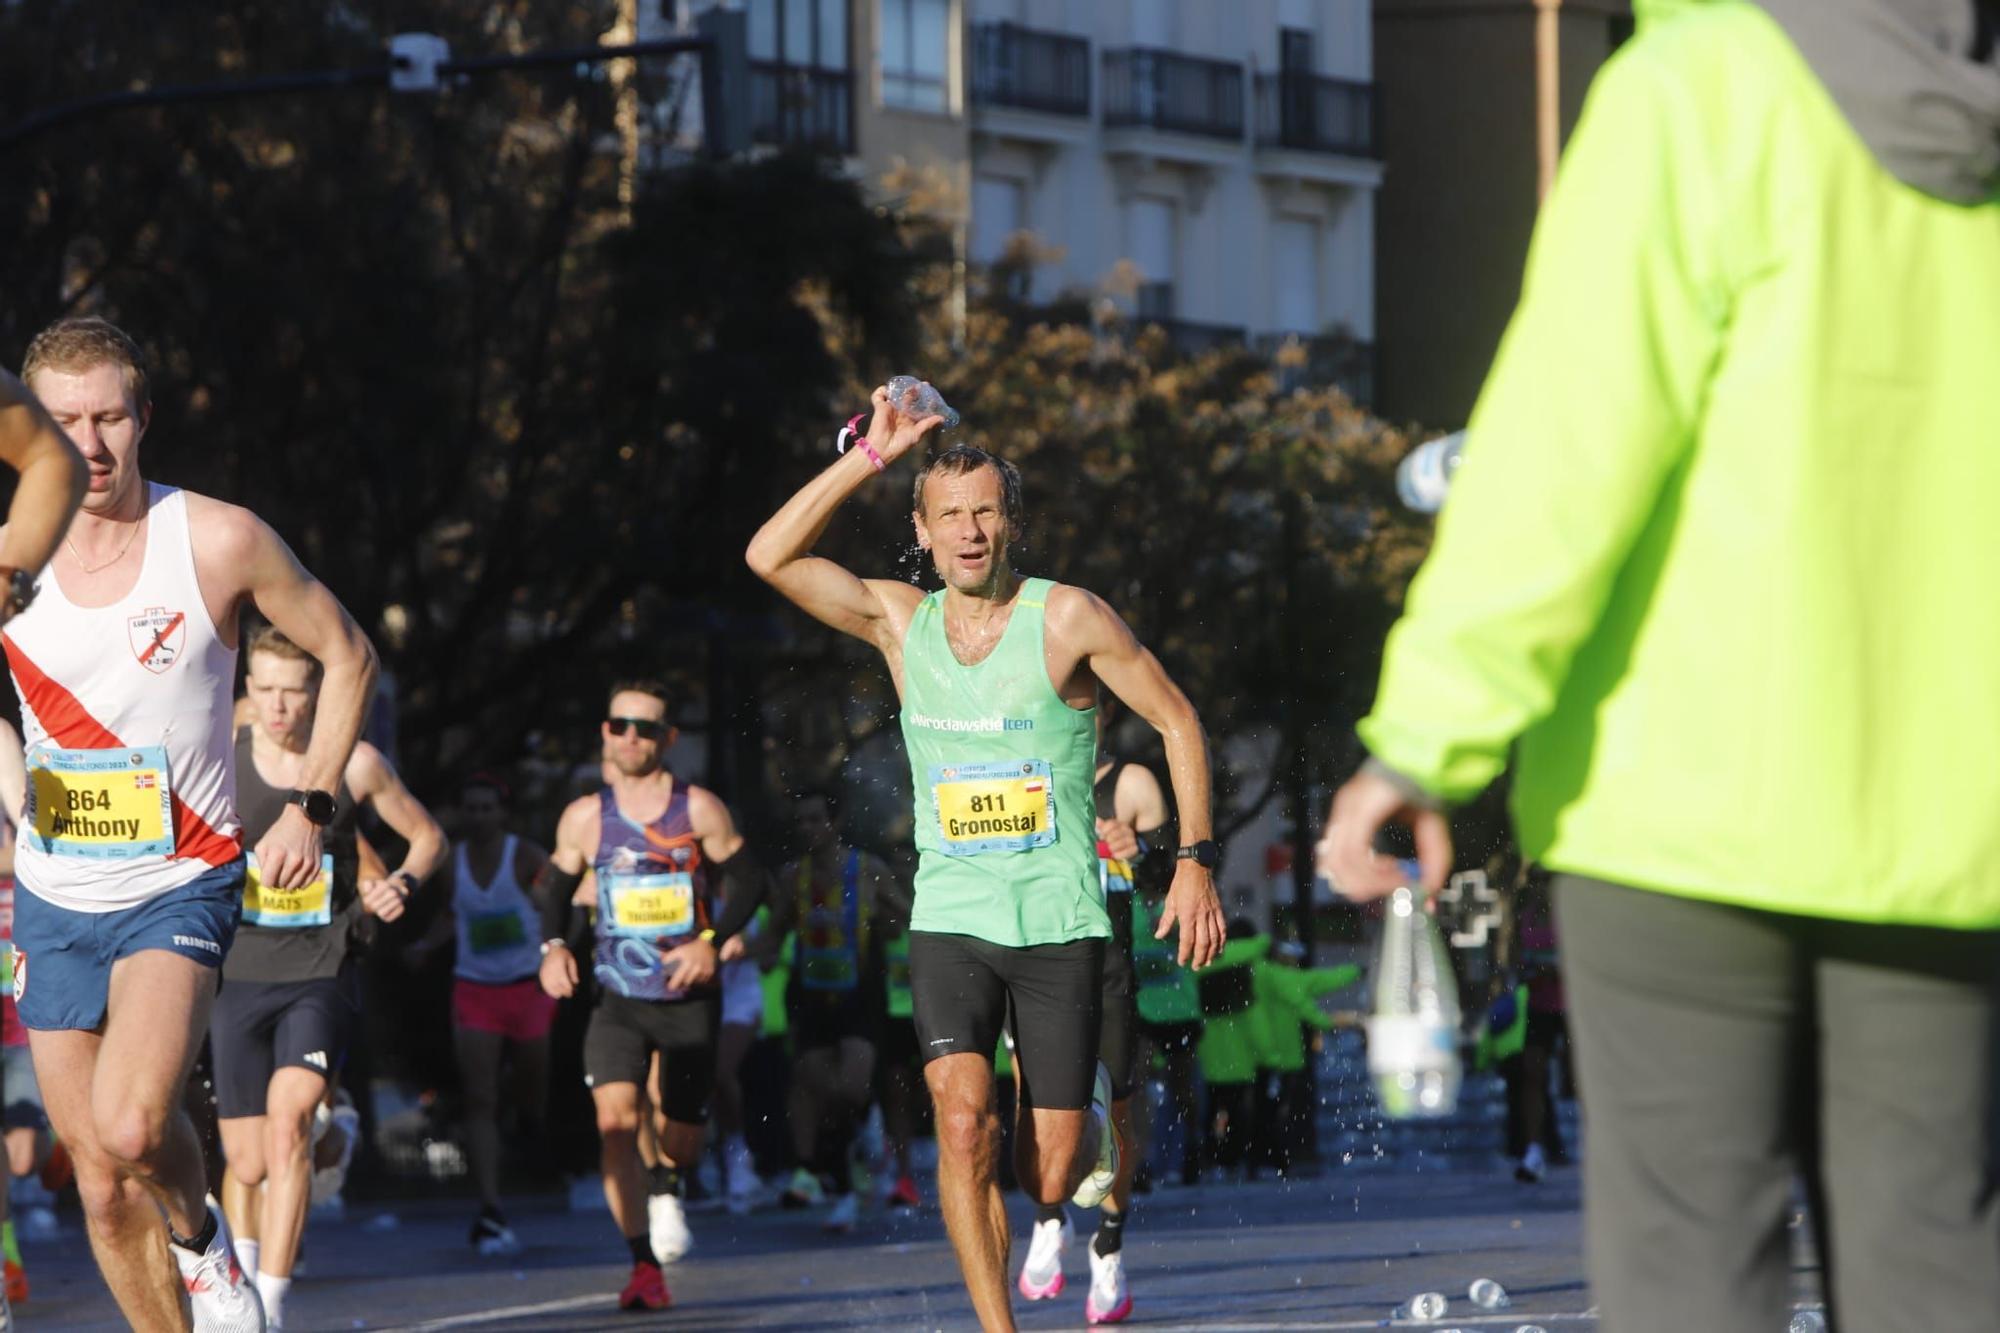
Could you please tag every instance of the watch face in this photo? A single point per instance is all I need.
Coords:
(320, 807)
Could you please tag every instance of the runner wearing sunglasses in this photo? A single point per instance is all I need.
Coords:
(664, 858)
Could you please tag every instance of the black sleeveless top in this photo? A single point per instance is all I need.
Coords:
(1119, 905)
(302, 953)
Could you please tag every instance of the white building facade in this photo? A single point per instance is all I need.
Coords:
(1210, 165)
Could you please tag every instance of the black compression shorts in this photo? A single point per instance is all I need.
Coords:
(1118, 1040)
(963, 988)
(623, 1034)
(259, 1027)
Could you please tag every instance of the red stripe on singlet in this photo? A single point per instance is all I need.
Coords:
(71, 726)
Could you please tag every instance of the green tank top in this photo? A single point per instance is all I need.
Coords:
(1002, 768)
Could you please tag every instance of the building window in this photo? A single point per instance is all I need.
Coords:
(916, 51)
(1295, 275)
(808, 33)
(1151, 244)
(998, 211)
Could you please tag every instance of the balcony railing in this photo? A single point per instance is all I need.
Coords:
(800, 106)
(1036, 71)
(1164, 91)
(1307, 361)
(1316, 114)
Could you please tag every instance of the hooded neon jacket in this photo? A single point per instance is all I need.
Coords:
(1723, 559)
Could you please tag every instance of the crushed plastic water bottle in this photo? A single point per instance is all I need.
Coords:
(1423, 1307)
(1487, 1294)
(920, 398)
(1807, 1321)
(1413, 1022)
(1423, 478)
(1531, 1328)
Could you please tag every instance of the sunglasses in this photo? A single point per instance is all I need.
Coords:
(646, 728)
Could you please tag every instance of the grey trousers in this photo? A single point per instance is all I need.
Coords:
(1721, 1053)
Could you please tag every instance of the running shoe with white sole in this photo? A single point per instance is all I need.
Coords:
(1042, 1276)
(6, 1314)
(1110, 1300)
(647, 1289)
(845, 1214)
(1098, 1183)
(222, 1298)
(666, 1226)
(741, 1169)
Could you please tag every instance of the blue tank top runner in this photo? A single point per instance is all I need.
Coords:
(652, 896)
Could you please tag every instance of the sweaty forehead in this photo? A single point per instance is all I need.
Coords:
(979, 487)
(630, 703)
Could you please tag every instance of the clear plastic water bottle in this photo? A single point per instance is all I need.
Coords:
(1807, 1321)
(1487, 1294)
(1531, 1328)
(1423, 1307)
(919, 398)
(1423, 478)
(1413, 1022)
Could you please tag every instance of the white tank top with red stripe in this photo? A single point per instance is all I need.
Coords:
(125, 711)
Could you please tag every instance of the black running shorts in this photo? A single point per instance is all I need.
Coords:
(963, 987)
(259, 1027)
(1118, 1038)
(623, 1034)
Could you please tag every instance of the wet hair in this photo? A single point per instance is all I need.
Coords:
(647, 685)
(961, 459)
(84, 342)
(270, 639)
(486, 781)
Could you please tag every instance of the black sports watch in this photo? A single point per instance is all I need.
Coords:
(1207, 854)
(320, 807)
(17, 591)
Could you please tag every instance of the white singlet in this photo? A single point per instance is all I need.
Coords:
(499, 926)
(125, 712)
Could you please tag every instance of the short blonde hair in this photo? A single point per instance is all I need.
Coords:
(270, 639)
(84, 342)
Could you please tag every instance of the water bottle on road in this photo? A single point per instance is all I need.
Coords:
(1413, 1023)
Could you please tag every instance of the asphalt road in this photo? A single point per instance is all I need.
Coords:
(1338, 1252)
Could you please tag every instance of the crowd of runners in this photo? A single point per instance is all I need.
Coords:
(195, 884)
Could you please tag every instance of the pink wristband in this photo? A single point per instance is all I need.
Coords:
(851, 432)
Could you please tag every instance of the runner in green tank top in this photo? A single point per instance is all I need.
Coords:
(999, 680)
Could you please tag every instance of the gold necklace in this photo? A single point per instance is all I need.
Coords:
(92, 569)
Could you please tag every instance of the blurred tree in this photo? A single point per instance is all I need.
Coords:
(520, 425)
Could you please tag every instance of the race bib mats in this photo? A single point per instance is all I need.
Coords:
(647, 905)
(1007, 805)
(107, 805)
(287, 909)
(495, 932)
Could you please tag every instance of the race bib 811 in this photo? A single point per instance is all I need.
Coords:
(1004, 806)
(102, 804)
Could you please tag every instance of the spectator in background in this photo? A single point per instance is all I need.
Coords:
(1534, 1138)
(1744, 654)
(1286, 1003)
(1228, 1049)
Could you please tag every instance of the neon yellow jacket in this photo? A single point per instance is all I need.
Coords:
(1724, 549)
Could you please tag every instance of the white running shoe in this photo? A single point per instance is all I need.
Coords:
(1098, 1183)
(6, 1314)
(741, 1168)
(1042, 1276)
(224, 1300)
(1110, 1300)
(845, 1214)
(666, 1224)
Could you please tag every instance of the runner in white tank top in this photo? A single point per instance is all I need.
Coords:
(125, 666)
(500, 1014)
